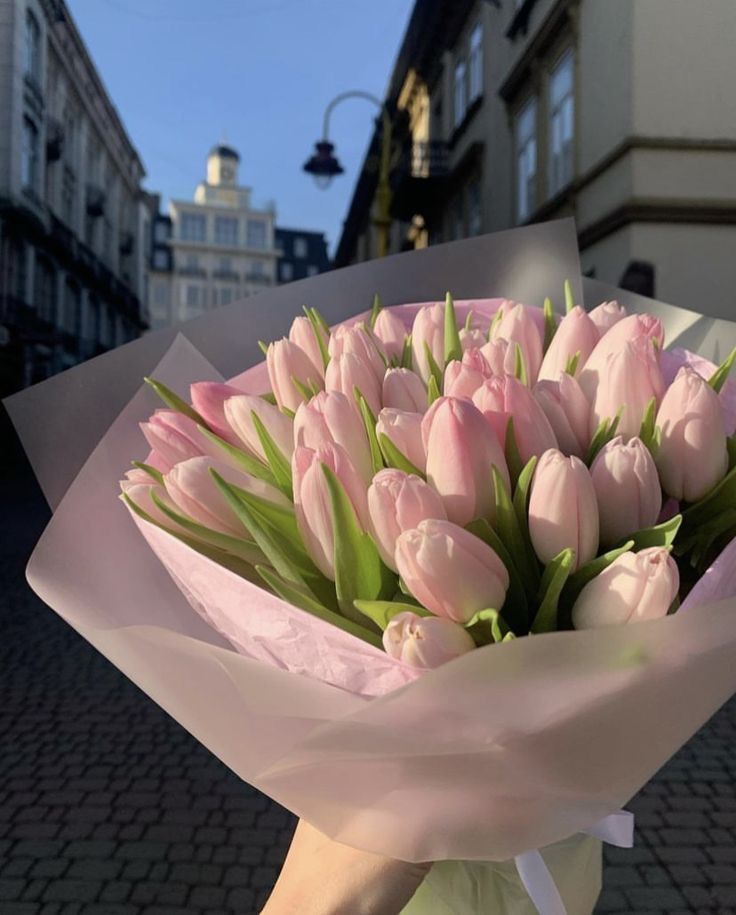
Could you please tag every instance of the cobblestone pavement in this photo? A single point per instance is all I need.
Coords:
(108, 807)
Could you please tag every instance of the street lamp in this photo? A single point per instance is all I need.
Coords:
(324, 165)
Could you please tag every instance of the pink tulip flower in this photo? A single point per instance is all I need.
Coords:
(563, 512)
(626, 330)
(425, 641)
(449, 571)
(500, 356)
(397, 502)
(576, 333)
(635, 587)
(359, 340)
(194, 492)
(461, 449)
(429, 329)
(312, 500)
(391, 331)
(239, 415)
(285, 362)
(605, 315)
(518, 325)
(627, 489)
(568, 412)
(333, 417)
(139, 492)
(302, 333)
(692, 456)
(208, 399)
(630, 379)
(174, 437)
(404, 430)
(502, 397)
(349, 371)
(463, 378)
(404, 390)
(471, 338)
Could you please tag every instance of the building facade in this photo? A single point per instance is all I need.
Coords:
(514, 111)
(212, 250)
(302, 253)
(73, 219)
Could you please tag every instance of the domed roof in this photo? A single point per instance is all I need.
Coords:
(227, 152)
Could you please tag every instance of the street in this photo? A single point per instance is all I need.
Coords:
(108, 806)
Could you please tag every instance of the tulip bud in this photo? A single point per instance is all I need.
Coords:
(461, 449)
(397, 502)
(692, 455)
(450, 571)
(471, 338)
(462, 379)
(563, 512)
(332, 417)
(312, 499)
(605, 315)
(347, 372)
(624, 331)
(504, 397)
(208, 399)
(576, 333)
(425, 641)
(239, 415)
(359, 340)
(518, 325)
(174, 437)
(303, 333)
(568, 412)
(140, 494)
(195, 493)
(627, 489)
(501, 357)
(429, 329)
(391, 331)
(630, 379)
(404, 430)
(403, 390)
(635, 587)
(286, 362)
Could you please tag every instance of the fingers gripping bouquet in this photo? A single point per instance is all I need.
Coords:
(435, 479)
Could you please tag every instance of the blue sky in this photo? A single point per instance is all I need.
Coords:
(185, 73)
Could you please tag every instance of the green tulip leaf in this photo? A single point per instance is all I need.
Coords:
(151, 471)
(520, 371)
(722, 495)
(375, 311)
(303, 388)
(516, 606)
(553, 581)
(359, 572)
(718, 378)
(453, 345)
(507, 526)
(381, 612)
(569, 299)
(269, 397)
(488, 627)
(550, 323)
(495, 321)
(321, 321)
(280, 466)
(407, 358)
(571, 366)
(369, 422)
(433, 391)
(250, 464)
(511, 453)
(318, 331)
(173, 400)
(588, 571)
(263, 347)
(521, 494)
(302, 598)
(603, 434)
(434, 370)
(469, 320)
(395, 458)
(659, 535)
(648, 431)
(731, 445)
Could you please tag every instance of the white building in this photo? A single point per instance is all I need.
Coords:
(220, 248)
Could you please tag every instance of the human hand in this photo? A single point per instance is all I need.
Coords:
(323, 877)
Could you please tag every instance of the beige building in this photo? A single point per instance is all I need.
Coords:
(73, 219)
(211, 250)
(621, 113)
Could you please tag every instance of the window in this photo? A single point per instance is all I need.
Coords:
(475, 214)
(17, 269)
(161, 231)
(225, 265)
(160, 294)
(225, 295)
(32, 62)
(526, 160)
(160, 260)
(191, 262)
(460, 93)
(300, 247)
(71, 309)
(29, 159)
(312, 270)
(44, 291)
(107, 325)
(68, 194)
(256, 269)
(476, 63)
(193, 296)
(193, 227)
(287, 272)
(256, 233)
(226, 230)
(561, 112)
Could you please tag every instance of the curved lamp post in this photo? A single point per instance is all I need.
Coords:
(324, 165)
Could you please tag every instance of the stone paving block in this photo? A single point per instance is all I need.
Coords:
(11, 888)
(645, 898)
(68, 890)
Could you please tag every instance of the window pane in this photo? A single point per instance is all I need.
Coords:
(226, 230)
(475, 216)
(561, 127)
(193, 227)
(33, 47)
(460, 93)
(300, 247)
(256, 233)
(476, 62)
(29, 160)
(526, 160)
(287, 272)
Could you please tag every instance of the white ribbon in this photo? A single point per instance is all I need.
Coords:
(616, 829)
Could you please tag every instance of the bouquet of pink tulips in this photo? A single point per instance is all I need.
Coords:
(433, 487)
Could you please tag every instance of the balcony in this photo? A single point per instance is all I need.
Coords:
(95, 200)
(418, 179)
(187, 270)
(258, 279)
(229, 275)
